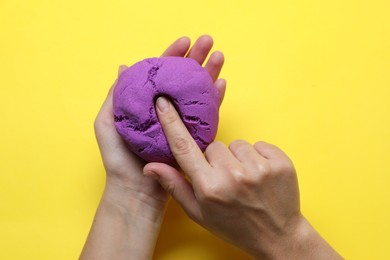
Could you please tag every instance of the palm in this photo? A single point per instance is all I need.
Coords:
(123, 166)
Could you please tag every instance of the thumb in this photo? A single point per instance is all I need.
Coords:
(173, 182)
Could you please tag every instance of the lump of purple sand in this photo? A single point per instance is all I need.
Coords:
(189, 87)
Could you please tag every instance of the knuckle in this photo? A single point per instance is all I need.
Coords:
(263, 168)
(240, 148)
(170, 119)
(274, 170)
(170, 188)
(233, 168)
(285, 167)
(247, 180)
(264, 146)
(101, 122)
(260, 144)
(243, 178)
(217, 144)
(212, 194)
(264, 172)
(182, 146)
(237, 144)
(213, 146)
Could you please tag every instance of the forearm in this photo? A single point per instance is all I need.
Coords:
(124, 227)
(311, 245)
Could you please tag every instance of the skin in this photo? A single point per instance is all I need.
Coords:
(245, 194)
(129, 216)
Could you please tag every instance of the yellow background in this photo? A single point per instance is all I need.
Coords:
(312, 77)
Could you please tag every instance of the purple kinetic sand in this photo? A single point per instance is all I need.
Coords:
(187, 84)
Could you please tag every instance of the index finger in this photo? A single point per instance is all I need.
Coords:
(184, 148)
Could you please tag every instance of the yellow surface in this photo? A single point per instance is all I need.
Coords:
(310, 76)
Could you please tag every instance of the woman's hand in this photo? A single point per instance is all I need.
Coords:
(245, 194)
(131, 210)
(124, 169)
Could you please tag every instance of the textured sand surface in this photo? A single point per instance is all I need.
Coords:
(185, 83)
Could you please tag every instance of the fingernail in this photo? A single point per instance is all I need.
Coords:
(162, 104)
(151, 174)
(120, 70)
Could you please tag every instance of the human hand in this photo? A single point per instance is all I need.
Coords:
(247, 195)
(131, 210)
(124, 169)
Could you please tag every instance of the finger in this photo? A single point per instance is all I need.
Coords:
(201, 49)
(218, 154)
(121, 69)
(104, 123)
(245, 152)
(214, 64)
(111, 145)
(107, 107)
(183, 146)
(220, 84)
(178, 48)
(176, 185)
(279, 161)
(269, 151)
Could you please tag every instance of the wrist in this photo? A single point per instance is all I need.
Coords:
(132, 202)
(125, 226)
(300, 241)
